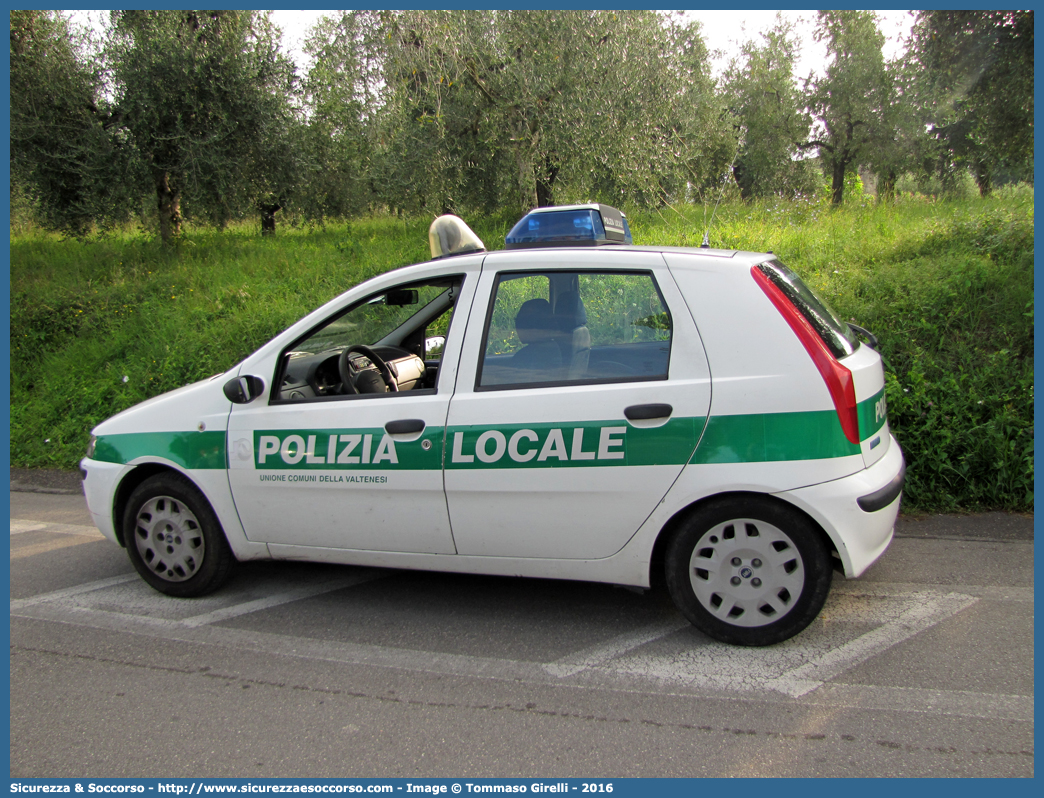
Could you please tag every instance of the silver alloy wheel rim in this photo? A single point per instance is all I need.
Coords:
(746, 572)
(169, 539)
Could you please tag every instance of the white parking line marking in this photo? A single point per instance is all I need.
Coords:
(407, 659)
(851, 628)
(893, 589)
(19, 526)
(22, 525)
(58, 595)
(611, 649)
(281, 598)
(858, 623)
(203, 619)
(54, 544)
(866, 697)
(962, 703)
(928, 609)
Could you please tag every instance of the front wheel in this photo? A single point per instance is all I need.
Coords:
(174, 539)
(748, 571)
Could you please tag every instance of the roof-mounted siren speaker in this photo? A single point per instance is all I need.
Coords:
(590, 225)
(449, 236)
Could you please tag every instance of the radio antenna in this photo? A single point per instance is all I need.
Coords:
(724, 180)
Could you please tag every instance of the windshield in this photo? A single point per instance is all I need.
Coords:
(374, 319)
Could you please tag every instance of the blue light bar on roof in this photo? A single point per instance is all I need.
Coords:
(570, 226)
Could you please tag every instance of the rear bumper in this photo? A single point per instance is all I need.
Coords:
(857, 512)
(880, 499)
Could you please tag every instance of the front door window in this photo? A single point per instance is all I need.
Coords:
(380, 345)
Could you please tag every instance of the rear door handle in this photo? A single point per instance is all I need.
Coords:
(646, 412)
(404, 426)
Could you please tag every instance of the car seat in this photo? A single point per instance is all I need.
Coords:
(535, 325)
(573, 337)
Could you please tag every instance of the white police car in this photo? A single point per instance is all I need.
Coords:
(572, 407)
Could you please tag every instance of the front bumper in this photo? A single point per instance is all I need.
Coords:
(99, 487)
(858, 512)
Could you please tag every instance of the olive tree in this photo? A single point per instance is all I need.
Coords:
(200, 94)
(975, 90)
(848, 103)
(767, 108)
(540, 106)
(345, 97)
(65, 153)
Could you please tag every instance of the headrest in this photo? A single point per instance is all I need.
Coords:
(534, 317)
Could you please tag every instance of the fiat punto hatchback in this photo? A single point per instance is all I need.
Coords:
(571, 407)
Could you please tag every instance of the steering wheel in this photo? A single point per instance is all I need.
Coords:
(348, 372)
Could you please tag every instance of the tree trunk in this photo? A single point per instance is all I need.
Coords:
(739, 174)
(268, 220)
(837, 183)
(168, 202)
(526, 147)
(982, 177)
(223, 218)
(886, 187)
(545, 184)
(526, 179)
(544, 197)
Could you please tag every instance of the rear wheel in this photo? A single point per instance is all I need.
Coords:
(748, 571)
(174, 539)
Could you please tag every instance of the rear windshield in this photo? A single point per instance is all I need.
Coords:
(840, 339)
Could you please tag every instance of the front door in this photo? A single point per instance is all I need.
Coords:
(319, 464)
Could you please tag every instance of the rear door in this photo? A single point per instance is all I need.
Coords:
(580, 396)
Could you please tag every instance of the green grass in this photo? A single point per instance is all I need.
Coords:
(947, 287)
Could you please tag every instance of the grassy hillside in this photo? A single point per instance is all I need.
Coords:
(947, 288)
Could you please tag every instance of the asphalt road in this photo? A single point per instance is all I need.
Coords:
(924, 667)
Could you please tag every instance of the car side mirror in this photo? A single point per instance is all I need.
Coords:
(243, 390)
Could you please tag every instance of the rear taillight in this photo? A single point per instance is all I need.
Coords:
(838, 379)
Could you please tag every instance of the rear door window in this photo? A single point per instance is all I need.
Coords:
(553, 328)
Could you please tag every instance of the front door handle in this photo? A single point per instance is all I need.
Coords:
(404, 426)
(647, 412)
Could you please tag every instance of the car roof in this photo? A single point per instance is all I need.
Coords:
(740, 258)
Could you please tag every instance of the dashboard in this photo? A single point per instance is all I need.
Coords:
(310, 376)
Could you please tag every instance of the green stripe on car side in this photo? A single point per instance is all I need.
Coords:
(193, 450)
(750, 438)
(772, 437)
(872, 414)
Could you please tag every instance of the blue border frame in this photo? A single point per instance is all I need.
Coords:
(622, 787)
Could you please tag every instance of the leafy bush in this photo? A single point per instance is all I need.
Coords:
(955, 318)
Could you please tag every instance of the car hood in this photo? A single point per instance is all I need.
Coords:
(183, 409)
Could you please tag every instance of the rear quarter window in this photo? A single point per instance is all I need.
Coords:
(839, 338)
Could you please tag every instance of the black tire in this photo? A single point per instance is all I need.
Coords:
(174, 539)
(748, 571)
